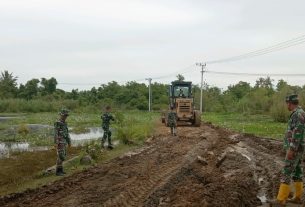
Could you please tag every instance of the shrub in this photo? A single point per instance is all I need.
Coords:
(93, 149)
(133, 128)
(23, 129)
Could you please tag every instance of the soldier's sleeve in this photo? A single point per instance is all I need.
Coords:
(103, 117)
(111, 117)
(297, 131)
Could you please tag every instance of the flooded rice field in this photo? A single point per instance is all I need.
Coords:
(42, 132)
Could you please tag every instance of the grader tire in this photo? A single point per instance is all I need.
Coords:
(197, 121)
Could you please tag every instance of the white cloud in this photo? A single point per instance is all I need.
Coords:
(97, 40)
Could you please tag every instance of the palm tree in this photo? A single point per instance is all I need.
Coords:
(8, 85)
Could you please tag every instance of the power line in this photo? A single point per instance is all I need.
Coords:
(280, 46)
(256, 74)
(79, 84)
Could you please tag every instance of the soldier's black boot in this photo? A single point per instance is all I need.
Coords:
(56, 172)
(62, 171)
(59, 171)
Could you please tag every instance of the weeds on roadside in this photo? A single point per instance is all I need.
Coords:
(133, 129)
(93, 149)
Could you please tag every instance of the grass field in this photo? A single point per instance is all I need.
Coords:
(17, 173)
(79, 122)
(260, 125)
(24, 170)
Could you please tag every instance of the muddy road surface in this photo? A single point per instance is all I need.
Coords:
(202, 166)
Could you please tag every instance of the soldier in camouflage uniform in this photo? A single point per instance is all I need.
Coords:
(172, 121)
(61, 139)
(106, 118)
(294, 146)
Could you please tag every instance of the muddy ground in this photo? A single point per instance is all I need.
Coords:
(206, 166)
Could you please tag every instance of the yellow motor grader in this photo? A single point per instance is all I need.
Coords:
(181, 98)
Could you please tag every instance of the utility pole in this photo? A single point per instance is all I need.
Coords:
(149, 93)
(202, 65)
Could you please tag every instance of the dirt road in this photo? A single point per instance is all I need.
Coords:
(206, 166)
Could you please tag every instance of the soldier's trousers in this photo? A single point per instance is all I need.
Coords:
(293, 169)
(61, 154)
(173, 128)
(107, 136)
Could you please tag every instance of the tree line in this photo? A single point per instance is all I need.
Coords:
(265, 97)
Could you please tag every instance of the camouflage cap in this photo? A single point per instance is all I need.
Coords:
(292, 98)
(64, 112)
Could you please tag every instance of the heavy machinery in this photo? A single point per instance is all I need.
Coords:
(181, 98)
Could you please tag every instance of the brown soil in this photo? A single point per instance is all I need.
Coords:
(204, 166)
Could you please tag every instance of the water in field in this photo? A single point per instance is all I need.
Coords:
(6, 118)
(83, 138)
(7, 148)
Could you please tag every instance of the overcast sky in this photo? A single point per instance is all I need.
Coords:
(97, 41)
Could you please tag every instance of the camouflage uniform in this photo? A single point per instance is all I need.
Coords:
(294, 140)
(61, 139)
(106, 118)
(294, 146)
(172, 121)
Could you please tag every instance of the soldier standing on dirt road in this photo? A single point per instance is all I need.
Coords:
(106, 118)
(61, 139)
(172, 121)
(294, 146)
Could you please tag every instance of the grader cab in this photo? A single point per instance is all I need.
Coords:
(181, 98)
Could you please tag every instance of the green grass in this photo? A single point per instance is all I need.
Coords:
(79, 122)
(134, 128)
(259, 125)
(24, 170)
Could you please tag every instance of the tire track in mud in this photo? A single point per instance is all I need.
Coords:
(158, 177)
(266, 165)
(167, 172)
(149, 168)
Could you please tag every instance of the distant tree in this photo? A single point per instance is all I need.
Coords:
(8, 85)
(30, 89)
(239, 90)
(21, 93)
(74, 94)
(281, 84)
(48, 85)
(109, 90)
(265, 83)
(93, 95)
(180, 77)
